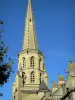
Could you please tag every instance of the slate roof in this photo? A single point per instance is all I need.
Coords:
(43, 86)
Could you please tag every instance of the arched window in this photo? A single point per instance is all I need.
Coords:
(32, 62)
(24, 62)
(32, 77)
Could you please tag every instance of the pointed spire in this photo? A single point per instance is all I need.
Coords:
(29, 41)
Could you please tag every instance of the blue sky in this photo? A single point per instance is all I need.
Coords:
(55, 29)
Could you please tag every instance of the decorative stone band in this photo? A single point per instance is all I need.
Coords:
(31, 50)
(29, 90)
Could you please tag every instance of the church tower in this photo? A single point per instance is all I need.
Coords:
(31, 69)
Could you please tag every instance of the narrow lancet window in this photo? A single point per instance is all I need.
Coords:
(32, 62)
(40, 64)
(40, 77)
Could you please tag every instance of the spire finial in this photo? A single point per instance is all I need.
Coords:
(30, 41)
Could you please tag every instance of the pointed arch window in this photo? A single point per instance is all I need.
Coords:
(32, 62)
(24, 62)
(32, 77)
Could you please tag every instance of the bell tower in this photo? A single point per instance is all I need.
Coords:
(31, 69)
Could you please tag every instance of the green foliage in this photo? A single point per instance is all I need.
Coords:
(5, 62)
(1, 22)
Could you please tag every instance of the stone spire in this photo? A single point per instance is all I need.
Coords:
(29, 41)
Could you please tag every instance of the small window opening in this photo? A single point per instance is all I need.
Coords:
(30, 20)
